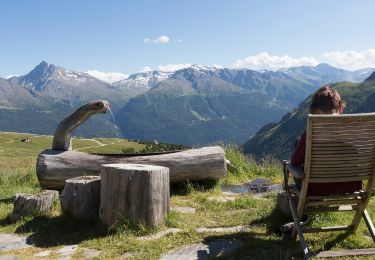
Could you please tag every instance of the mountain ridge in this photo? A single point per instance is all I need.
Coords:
(278, 139)
(206, 104)
(199, 107)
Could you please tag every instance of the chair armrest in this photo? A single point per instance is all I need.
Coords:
(296, 172)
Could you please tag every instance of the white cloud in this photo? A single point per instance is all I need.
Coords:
(265, 61)
(107, 76)
(146, 69)
(161, 39)
(351, 59)
(173, 67)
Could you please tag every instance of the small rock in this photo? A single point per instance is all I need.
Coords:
(160, 234)
(228, 193)
(222, 198)
(43, 253)
(126, 255)
(11, 242)
(234, 229)
(67, 250)
(209, 250)
(234, 189)
(183, 209)
(91, 253)
(259, 185)
(8, 257)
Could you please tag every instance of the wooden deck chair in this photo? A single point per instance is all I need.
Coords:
(339, 148)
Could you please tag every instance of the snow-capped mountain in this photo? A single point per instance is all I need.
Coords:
(42, 75)
(202, 105)
(143, 80)
(194, 105)
(71, 86)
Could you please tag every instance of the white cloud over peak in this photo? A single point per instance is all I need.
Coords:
(161, 39)
(350, 59)
(173, 67)
(264, 60)
(107, 76)
(146, 69)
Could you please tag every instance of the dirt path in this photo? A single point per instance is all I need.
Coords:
(100, 144)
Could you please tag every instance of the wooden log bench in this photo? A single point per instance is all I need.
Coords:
(54, 166)
(134, 192)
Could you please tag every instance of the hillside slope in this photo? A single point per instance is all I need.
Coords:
(196, 105)
(200, 105)
(193, 108)
(278, 139)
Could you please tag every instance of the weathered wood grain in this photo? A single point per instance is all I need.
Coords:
(81, 197)
(134, 192)
(62, 139)
(54, 167)
(25, 203)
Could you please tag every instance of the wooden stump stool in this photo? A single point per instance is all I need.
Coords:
(134, 192)
(33, 203)
(81, 197)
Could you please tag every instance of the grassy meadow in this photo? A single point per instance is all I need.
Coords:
(53, 229)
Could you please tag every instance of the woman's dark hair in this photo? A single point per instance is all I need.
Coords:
(326, 100)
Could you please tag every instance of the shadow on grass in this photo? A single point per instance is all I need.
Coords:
(60, 230)
(7, 200)
(184, 188)
(274, 220)
(250, 245)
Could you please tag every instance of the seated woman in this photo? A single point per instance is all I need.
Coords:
(326, 100)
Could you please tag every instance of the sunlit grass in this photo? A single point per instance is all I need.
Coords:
(53, 229)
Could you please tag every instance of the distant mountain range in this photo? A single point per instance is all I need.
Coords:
(193, 106)
(201, 105)
(278, 139)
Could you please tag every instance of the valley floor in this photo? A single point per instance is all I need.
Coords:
(236, 226)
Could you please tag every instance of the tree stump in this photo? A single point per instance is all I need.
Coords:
(33, 203)
(134, 192)
(81, 197)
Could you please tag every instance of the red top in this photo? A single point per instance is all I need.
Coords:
(319, 189)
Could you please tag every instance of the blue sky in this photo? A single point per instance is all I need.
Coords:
(111, 36)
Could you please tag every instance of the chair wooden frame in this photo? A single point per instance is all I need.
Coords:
(339, 148)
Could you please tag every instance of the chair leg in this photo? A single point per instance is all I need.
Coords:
(297, 228)
(369, 224)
